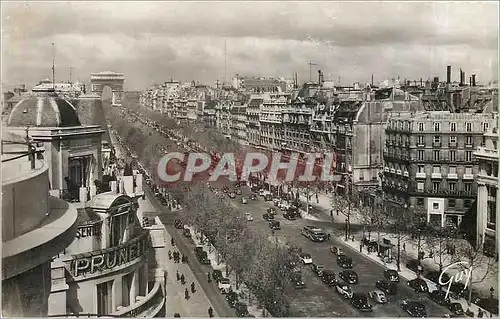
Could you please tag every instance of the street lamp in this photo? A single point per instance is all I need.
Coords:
(346, 228)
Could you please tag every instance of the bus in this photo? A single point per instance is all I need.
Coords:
(314, 234)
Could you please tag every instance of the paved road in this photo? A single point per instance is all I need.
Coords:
(318, 299)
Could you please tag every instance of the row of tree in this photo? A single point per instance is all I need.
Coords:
(255, 260)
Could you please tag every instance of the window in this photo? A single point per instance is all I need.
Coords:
(453, 170)
(468, 170)
(485, 126)
(436, 186)
(468, 156)
(420, 201)
(468, 127)
(467, 203)
(421, 140)
(435, 155)
(436, 169)
(453, 127)
(104, 298)
(451, 203)
(468, 140)
(420, 186)
(421, 168)
(421, 127)
(453, 139)
(437, 139)
(437, 127)
(452, 186)
(453, 156)
(468, 187)
(420, 155)
(435, 206)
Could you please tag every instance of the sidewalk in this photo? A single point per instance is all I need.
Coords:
(411, 253)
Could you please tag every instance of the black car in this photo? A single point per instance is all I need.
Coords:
(216, 275)
(456, 309)
(274, 224)
(489, 304)
(232, 195)
(328, 277)
(349, 276)
(418, 285)
(232, 299)
(198, 250)
(475, 298)
(253, 197)
(268, 197)
(225, 189)
(388, 287)
(360, 301)
(203, 258)
(414, 308)
(439, 297)
(415, 265)
(289, 215)
(317, 269)
(238, 191)
(297, 281)
(344, 261)
(434, 277)
(187, 233)
(271, 211)
(241, 309)
(268, 217)
(178, 224)
(391, 275)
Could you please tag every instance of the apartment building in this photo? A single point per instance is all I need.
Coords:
(271, 120)
(238, 123)
(429, 162)
(487, 206)
(253, 114)
(223, 116)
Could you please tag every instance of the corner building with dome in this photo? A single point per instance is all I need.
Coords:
(72, 244)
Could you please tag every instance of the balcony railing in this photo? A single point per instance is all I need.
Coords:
(421, 175)
(444, 193)
(431, 159)
(452, 176)
(396, 157)
(390, 129)
(146, 306)
(436, 175)
(468, 176)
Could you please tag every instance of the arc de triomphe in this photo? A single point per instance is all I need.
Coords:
(111, 79)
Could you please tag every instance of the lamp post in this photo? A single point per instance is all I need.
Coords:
(346, 228)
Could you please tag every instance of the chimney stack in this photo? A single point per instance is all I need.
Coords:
(470, 80)
(448, 74)
(473, 80)
(463, 82)
(461, 77)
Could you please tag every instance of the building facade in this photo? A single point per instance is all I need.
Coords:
(253, 112)
(429, 163)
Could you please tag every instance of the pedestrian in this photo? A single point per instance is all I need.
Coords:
(193, 288)
(209, 277)
(210, 312)
(172, 241)
(480, 313)
(404, 247)
(178, 276)
(329, 236)
(183, 279)
(186, 293)
(186, 258)
(360, 248)
(169, 255)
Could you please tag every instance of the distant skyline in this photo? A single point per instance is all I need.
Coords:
(151, 42)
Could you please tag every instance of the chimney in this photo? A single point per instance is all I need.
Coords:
(461, 77)
(473, 80)
(372, 79)
(463, 82)
(448, 74)
(470, 80)
(319, 77)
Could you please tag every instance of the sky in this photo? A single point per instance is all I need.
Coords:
(151, 42)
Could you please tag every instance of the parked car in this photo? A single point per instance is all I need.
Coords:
(344, 290)
(489, 304)
(388, 287)
(216, 275)
(241, 309)
(344, 261)
(456, 309)
(306, 258)
(328, 277)
(253, 196)
(349, 276)
(238, 191)
(415, 265)
(178, 224)
(262, 192)
(232, 299)
(271, 211)
(439, 297)
(225, 189)
(224, 285)
(418, 285)
(186, 232)
(317, 269)
(248, 217)
(268, 197)
(414, 308)
(391, 275)
(296, 280)
(360, 302)
(378, 296)
(203, 258)
(268, 217)
(274, 224)
(337, 250)
(434, 277)
(244, 200)
(232, 195)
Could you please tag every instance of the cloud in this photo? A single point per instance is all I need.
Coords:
(153, 41)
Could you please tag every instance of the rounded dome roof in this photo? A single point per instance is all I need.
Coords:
(44, 111)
